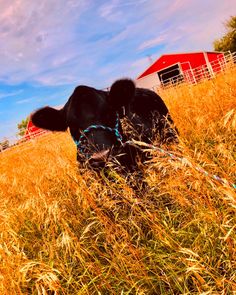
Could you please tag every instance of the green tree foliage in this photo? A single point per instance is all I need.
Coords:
(22, 126)
(228, 41)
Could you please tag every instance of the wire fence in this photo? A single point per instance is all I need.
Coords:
(48, 137)
(28, 134)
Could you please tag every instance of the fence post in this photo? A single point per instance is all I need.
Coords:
(208, 64)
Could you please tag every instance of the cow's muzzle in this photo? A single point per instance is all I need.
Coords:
(99, 159)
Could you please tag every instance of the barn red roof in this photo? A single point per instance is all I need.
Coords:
(187, 59)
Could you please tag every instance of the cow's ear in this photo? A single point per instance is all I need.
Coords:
(121, 93)
(50, 119)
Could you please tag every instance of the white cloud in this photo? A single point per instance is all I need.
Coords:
(115, 10)
(10, 94)
(152, 42)
(22, 101)
(110, 10)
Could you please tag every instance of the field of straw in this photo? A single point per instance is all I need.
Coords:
(67, 230)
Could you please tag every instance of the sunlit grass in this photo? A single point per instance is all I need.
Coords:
(65, 230)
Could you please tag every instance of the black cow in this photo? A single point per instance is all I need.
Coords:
(93, 117)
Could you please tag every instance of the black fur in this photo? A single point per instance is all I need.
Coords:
(143, 108)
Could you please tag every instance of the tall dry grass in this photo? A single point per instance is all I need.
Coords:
(66, 230)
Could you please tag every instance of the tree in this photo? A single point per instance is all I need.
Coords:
(228, 41)
(22, 126)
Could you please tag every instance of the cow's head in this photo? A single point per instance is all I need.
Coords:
(93, 119)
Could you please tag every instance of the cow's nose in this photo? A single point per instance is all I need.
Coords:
(98, 160)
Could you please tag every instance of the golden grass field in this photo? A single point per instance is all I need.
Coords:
(66, 230)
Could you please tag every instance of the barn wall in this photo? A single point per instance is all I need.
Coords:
(212, 56)
(217, 61)
(150, 81)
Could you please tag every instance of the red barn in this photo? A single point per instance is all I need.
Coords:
(33, 131)
(190, 67)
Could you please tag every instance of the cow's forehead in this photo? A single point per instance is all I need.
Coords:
(87, 105)
(89, 96)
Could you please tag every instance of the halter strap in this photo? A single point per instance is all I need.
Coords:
(79, 143)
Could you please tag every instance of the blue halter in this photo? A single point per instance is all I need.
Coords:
(80, 143)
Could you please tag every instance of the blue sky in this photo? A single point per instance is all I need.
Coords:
(48, 47)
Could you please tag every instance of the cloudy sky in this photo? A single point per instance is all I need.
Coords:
(48, 47)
